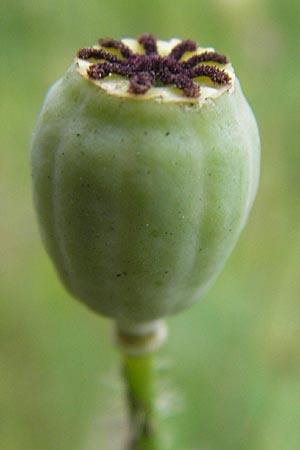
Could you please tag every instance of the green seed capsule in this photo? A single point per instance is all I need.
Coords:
(145, 163)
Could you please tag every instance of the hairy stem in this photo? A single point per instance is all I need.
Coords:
(139, 375)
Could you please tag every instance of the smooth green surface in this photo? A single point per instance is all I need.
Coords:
(140, 203)
(233, 365)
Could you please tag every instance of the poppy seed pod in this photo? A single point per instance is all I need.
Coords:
(145, 161)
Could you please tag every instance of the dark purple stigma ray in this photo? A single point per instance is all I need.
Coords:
(98, 71)
(179, 79)
(144, 70)
(117, 45)
(216, 75)
(180, 49)
(205, 57)
(141, 82)
(149, 43)
(97, 53)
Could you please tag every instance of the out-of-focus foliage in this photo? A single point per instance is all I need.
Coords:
(234, 380)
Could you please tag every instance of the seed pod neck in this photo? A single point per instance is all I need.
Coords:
(173, 71)
(142, 338)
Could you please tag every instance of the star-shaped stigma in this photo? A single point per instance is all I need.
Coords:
(149, 69)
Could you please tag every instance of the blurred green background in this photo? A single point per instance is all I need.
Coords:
(231, 368)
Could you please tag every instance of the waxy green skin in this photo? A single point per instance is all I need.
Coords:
(140, 203)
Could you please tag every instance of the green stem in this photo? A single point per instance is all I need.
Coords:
(139, 374)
